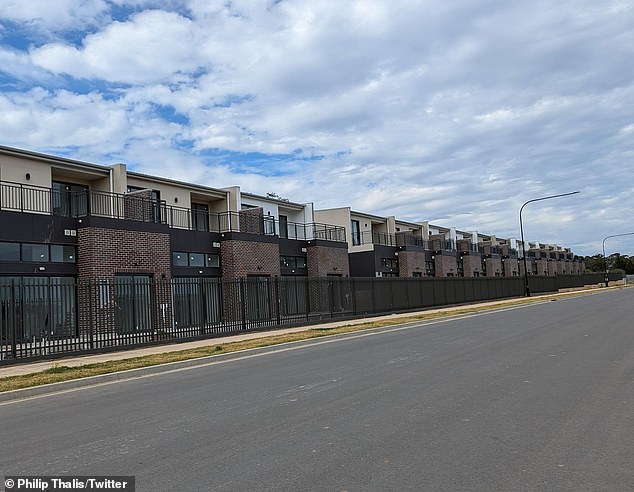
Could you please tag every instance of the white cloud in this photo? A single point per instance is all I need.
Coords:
(151, 46)
(55, 15)
(453, 111)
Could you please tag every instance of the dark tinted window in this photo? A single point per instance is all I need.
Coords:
(9, 251)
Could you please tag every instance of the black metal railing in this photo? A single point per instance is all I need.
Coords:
(409, 239)
(139, 206)
(45, 317)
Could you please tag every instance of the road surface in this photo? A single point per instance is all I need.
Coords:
(531, 398)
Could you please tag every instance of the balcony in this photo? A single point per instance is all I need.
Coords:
(140, 207)
(489, 250)
(408, 239)
(466, 247)
(441, 245)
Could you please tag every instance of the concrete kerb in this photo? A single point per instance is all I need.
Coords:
(35, 391)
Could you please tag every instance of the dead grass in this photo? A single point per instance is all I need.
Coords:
(58, 373)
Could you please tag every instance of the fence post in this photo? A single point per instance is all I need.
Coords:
(354, 296)
(372, 290)
(332, 298)
(13, 306)
(91, 299)
(243, 302)
(307, 289)
(278, 300)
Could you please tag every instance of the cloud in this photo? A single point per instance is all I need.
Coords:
(151, 46)
(454, 112)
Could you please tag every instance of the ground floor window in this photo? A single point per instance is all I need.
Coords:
(197, 301)
(37, 307)
(133, 303)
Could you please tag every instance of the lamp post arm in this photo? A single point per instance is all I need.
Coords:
(526, 285)
(605, 261)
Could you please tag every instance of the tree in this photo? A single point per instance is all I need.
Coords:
(615, 261)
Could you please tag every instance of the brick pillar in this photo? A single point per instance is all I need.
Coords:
(322, 260)
(101, 254)
(472, 264)
(511, 265)
(410, 262)
(445, 264)
(542, 267)
(493, 265)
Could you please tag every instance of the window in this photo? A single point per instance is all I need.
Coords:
(200, 221)
(417, 274)
(196, 259)
(389, 263)
(69, 200)
(356, 233)
(184, 259)
(62, 254)
(179, 259)
(283, 226)
(9, 251)
(212, 261)
(292, 262)
(35, 252)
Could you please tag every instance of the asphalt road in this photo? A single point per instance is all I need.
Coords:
(532, 398)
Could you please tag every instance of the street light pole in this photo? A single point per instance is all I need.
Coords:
(528, 290)
(605, 262)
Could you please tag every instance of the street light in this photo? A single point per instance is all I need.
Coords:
(605, 262)
(528, 290)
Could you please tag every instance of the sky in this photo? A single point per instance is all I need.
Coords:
(454, 112)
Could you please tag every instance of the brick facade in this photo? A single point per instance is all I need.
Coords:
(138, 205)
(103, 253)
(324, 260)
(542, 266)
(472, 265)
(240, 258)
(446, 266)
(511, 267)
(493, 266)
(529, 265)
(410, 262)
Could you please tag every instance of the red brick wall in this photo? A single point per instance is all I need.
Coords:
(138, 205)
(511, 265)
(241, 258)
(542, 267)
(410, 262)
(102, 253)
(252, 220)
(471, 265)
(493, 265)
(323, 260)
(445, 264)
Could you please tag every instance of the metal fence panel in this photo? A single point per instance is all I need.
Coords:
(43, 316)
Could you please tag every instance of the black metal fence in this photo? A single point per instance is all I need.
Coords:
(52, 316)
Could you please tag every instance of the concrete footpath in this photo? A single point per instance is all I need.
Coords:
(42, 365)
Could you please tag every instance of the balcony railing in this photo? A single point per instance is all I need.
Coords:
(442, 245)
(381, 238)
(141, 207)
(408, 239)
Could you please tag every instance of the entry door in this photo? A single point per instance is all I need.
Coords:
(133, 301)
(258, 298)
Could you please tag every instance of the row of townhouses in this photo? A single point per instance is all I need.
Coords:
(62, 218)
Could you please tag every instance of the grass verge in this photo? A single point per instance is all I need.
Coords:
(58, 372)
